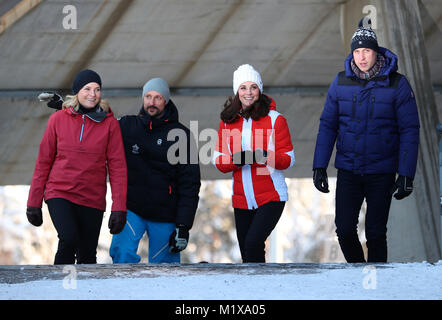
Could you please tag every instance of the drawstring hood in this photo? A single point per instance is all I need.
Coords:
(84, 110)
(95, 114)
(390, 65)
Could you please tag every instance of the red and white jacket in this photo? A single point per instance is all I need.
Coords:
(256, 184)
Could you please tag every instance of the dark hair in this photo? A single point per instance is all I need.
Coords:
(233, 109)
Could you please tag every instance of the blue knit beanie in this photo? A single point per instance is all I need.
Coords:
(364, 37)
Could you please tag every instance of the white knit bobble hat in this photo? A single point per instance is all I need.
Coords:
(246, 73)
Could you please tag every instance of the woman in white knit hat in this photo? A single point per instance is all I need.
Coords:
(254, 143)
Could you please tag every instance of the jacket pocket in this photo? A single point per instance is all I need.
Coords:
(390, 142)
(342, 141)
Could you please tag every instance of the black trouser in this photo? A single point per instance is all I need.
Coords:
(78, 229)
(351, 189)
(254, 226)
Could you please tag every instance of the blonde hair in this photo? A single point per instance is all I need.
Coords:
(72, 101)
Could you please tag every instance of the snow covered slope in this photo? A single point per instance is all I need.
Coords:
(409, 281)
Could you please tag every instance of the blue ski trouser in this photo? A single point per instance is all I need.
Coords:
(124, 245)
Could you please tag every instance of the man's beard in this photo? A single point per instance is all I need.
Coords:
(152, 106)
(153, 109)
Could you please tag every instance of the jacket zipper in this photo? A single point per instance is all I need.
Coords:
(372, 106)
(82, 126)
(354, 106)
(405, 155)
(82, 129)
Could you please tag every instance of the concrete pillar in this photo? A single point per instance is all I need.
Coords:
(414, 224)
(439, 129)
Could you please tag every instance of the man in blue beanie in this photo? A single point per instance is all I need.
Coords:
(371, 114)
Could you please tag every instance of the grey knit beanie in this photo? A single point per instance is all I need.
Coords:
(159, 85)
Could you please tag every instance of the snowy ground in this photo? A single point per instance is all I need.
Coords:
(409, 281)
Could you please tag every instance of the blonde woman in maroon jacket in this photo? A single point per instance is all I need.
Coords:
(254, 143)
(81, 144)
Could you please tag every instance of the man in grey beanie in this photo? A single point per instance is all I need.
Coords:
(161, 88)
(162, 196)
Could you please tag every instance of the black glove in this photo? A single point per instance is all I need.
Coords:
(179, 238)
(55, 101)
(34, 215)
(320, 179)
(117, 221)
(260, 156)
(242, 158)
(249, 157)
(404, 187)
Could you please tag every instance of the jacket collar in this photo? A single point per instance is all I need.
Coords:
(170, 116)
(382, 78)
(272, 105)
(97, 116)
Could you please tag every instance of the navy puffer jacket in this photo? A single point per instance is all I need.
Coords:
(374, 123)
